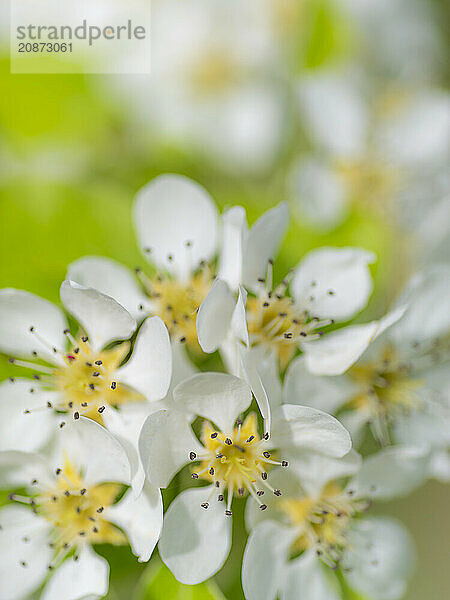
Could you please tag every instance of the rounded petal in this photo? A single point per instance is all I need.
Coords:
(99, 455)
(111, 278)
(21, 431)
(104, 319)
(380, 558)
(251, 372)
(231, 253)
(195, 542)
(265, 561)
(324, 393)
(20, 310)
(214, 316)
(262, 243)
(392, 472)
(165, 442)
(316, 470)
(79, 579)
(170, 212)
(312, 578)
(150, 367)
(19, 469)
(427, 316)
(24, 551)
(335, 114)
(303, 427)
(334, 283)
(334, 353)
(140, 518)
(219, 397)
(318, 194)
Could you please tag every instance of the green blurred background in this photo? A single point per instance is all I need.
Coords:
(71, 163)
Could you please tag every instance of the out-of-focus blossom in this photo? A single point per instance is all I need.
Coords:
(318, 527)
(70, 504)
(234, 459)
(400, 385)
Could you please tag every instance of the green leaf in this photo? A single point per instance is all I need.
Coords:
(158, 582)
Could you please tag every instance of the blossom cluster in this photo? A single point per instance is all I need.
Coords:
(109, 401)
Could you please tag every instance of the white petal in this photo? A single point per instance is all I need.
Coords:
(150, 367)
(316, 470)
(19, 469)
(103, 318)
(170, 211)
(239, 320)
(20, 431)
(94, 450)
(303, 427)
(252, 374)
(308, 575)
(427, 316)
(231, 253)
(164, 445)
(318, 194)
(440, 465)
(215, 396)
(265, 561)
(140, 518)
(380, 557)
(110, 278)
(419, 134)
(334, 353)
(324, 393)
(20, 310)
(262, 244)
(195, 542)
(182, 366)
(335, 114)
(214, 316)
(85, 578)
(334, 283)
(391, 472)
(17, 523)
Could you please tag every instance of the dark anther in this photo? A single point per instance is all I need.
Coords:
(265, 304)
(331, 292)
(113, 385)
(220, 497)
(67, 493)
(266, 454)
(11, 361)
(100, 509)
(228, 442)
(76, 415)
(264, 475)
(101, 409)
(213, 435)
(58, 471)
(266, 436)
(83, 491)
(89, 364)
(91, 386)
(260, 493)
(31, 329)
(194, 476)
(284, 463)
(98, 362)
(61, 425)
(277, 492)
(84, 338)
(183, 339)
(192, 456)
(263, 507)
(76, 350)
(205, 505)
(49, 404)
(228, 513)
(241, 491)
(211, 471)
(95, 374)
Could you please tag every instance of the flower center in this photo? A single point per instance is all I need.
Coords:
(275, 321)
(236, 463)
(214, 73)
(177, 302)
(323, 523)
(386, 388)
(75, 510)
(368, 182)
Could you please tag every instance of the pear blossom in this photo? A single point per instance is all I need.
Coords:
(375, 153)
(178, 230)
(329, 285)
(234, 459)
(212, 89)
(78, 374)
(400, 385)
(67, 504)
(320, 526)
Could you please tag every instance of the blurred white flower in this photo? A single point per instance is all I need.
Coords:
(75, 375)
(234, 459)
(69, 504)
(371, 149)
(318, 524)
(400, 385)
(328, 285)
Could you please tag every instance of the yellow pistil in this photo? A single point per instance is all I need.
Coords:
(214, 73)
(323, 521)
(177, 303)
(76, 510)
(236, 462)
(275, 321)
(385, 385)
(87, 381)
